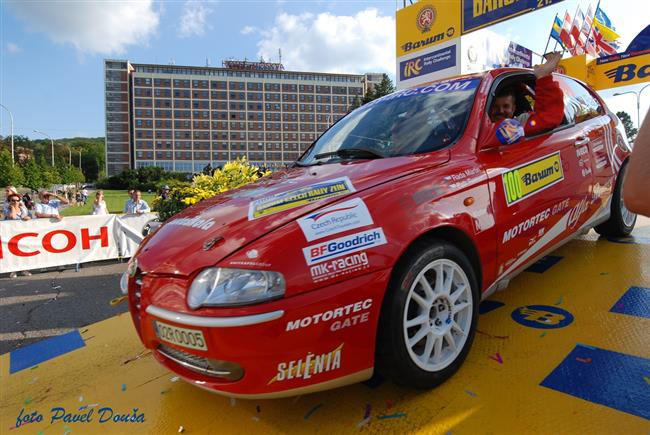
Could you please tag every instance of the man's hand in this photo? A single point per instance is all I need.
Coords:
(547, 68)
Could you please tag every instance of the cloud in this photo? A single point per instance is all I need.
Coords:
(194, 19)
(247, 30)
(361, 43)
(13, 48)
(93, 27)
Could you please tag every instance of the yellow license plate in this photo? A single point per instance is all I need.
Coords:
(190, 338)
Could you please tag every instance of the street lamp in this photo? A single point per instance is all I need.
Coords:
(638, 103)
(11, 116)
(49, 137)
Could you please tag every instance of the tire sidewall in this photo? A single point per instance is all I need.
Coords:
(617, 198)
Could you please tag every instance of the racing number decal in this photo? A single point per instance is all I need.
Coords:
(532, 177)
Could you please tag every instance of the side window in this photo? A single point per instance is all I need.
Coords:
(580, 105)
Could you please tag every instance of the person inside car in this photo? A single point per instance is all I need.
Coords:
(549, 101)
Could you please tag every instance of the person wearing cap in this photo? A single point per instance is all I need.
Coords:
(165, 192)
(48, 208)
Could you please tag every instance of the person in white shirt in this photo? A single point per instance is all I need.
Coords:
(136, 205)
(49, 208)
(99, 205)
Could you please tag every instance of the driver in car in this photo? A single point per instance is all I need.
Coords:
(549, 101)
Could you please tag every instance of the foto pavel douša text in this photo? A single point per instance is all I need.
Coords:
(88, 415)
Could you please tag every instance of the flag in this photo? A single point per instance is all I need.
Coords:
(556, 29)
(604, 47)
(576, 32)
(604, 25)
(586, 26)
(565, 32)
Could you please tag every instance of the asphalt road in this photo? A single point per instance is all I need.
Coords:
(53, 303)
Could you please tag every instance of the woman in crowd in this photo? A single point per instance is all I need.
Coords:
(16, 211)
(99, 205)
(9, 190)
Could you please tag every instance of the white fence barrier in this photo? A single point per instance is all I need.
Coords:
(40, 243)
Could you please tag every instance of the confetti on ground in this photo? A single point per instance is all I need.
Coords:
(181, 429)
(28, 401)
(604, 273)
(397, 415)
(471, 393)
(123, 387)
(259, 409)
(174, 379)
(81, 398)
(165, 391)
(368, 410)
(56, 287)
(543, 334)
(92, 405)
(84, 331)
(138, 356)
(496, 357)
(364, 422)
(81, 408)
(233, 401)
(502, 337)
(584, 360)
(34, 368)
(647, 379)
(296, 399)
(255, 418)
(33, 381)
(389, 404)
(117, 301)
(311, 411)
(66, 430)
(559, 301)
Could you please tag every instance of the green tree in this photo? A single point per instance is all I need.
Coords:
(32, 173)
(50, 174)
(627, 124)
(70, 174)
(356, 103)
(10, 174)
(385, 87)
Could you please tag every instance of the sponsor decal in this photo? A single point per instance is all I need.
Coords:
(542, 316)
(339, 266)
(297, 197)
(446, 86)
(312, 365)
(477, 14)
(353, 314)
(195, 222)
(628, 72)
(344, 245)
(335, 219)
(577, 211)
(425, 18)
(428, 63)
(252, 254)
(531, 222)
(530, 178)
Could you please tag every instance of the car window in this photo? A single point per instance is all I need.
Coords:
(409, 121)
(579, 104)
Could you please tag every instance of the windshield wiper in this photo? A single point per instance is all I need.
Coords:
(351, 153)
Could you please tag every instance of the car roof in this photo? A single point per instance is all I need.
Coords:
(493, 73)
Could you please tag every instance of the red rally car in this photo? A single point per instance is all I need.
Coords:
(374, 250)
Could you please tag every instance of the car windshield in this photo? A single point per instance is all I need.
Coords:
(410, 121)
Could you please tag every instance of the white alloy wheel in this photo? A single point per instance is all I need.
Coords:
(438, 315)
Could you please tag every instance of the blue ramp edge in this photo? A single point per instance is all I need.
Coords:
(635, 302)
(544, 264)
(489, 305)
(608, 378)
(44, 350)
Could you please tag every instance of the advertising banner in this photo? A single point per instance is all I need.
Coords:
(621, 70)
(478, 14)
(426, 24)
(484, 50)
(428, 63)
(41, 243)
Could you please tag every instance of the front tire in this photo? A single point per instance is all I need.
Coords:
(429, 315)
(621, 220)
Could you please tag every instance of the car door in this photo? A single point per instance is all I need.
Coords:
(534, 185)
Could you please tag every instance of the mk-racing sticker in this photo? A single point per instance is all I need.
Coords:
(297, 197)
(533, 177)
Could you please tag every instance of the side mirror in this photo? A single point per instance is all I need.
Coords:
(507, 132)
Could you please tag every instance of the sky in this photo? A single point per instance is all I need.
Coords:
(52, 51)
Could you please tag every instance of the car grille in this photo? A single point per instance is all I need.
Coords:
(198, 364)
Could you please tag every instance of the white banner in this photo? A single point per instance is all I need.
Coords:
(40, 243)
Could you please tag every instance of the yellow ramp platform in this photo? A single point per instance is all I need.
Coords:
(565, 349)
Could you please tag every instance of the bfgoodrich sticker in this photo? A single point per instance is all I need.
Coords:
(344, 245)
(341, 217)
(297, 197)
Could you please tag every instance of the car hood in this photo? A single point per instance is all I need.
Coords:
(206, 233)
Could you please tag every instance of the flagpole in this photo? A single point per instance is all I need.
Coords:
(593, 19)
(549, 37)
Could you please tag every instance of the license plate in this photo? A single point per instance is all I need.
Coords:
(191, 338)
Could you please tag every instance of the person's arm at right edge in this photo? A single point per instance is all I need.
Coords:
(635, 187)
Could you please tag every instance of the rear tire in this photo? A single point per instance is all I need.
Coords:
(621, 220)
(429, 315)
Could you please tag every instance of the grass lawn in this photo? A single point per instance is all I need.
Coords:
(115, 200)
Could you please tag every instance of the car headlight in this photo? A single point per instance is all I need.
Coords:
(124, 283)
(218, 286)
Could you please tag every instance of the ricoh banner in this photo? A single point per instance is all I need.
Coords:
(41, 243)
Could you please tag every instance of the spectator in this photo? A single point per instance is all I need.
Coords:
(136, 205)
(84, 195)
(47, 208)
(27, 200)
(17, 211)
(165, 192)
(99, 205)
(9, 190)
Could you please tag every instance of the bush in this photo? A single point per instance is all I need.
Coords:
(233, 175)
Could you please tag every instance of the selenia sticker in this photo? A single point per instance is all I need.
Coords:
(297, 197)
